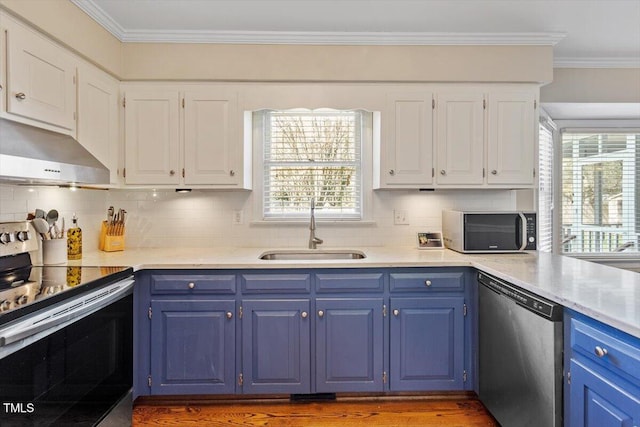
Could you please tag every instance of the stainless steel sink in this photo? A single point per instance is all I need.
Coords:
(311, 254)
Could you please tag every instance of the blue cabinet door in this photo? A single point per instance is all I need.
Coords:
(427, 344)
(349, 348)
(595, 401)
(193, 347)
(275, 346)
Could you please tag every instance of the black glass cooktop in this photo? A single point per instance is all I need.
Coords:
(31, 288)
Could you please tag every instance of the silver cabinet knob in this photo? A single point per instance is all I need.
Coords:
(229, 315)
(21, 95)
(443, 172)
(427, 282)
(320, 313)
(232, 173)
(392, 172)
(191, 285)
(396, 312)
(304, 314)
(600, 352)
(172, 172)
(494, 172)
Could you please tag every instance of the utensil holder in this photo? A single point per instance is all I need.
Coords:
(54, 251)
(111, 237)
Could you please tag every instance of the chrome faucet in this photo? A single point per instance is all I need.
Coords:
(313, 240)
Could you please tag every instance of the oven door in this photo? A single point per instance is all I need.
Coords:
(73, 376)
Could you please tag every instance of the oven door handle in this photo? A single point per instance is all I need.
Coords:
(66, 313)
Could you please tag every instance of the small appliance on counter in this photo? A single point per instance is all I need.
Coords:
(489, 232)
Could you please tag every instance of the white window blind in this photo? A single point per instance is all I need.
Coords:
(312, 154)
(600, 192)
(545, 193)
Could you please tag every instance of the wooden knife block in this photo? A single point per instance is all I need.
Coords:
(111, 240)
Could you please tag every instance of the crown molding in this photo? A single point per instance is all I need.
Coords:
(341, 38)
(602, 62)
(101, 17)
(312, 37)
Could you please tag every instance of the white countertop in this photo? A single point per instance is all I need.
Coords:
(607, 294)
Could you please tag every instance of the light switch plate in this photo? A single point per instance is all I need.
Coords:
(237, 217)
(400, 217)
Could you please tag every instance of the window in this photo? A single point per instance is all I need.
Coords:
(600, 192)
(311, 155)
(545, 187)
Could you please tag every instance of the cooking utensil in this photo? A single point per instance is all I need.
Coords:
(41, 227)
(40, 213)
(52, 217)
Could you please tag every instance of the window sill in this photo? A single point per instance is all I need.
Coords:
(319, 222)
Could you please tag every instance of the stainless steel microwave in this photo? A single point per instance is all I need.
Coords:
(485, 232)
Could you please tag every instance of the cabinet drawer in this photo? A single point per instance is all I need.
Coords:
(612, 350)
(193, 284)
(349, 282)
(275, 283)
(427, 281)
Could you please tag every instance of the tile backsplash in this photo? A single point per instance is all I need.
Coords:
(204, 219)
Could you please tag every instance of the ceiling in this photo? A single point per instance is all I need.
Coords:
(592, 33)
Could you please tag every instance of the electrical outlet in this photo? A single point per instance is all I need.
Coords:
(237, 217)
(400, 217)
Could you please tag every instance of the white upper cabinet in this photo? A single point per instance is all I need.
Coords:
(152, 138)
(511, 138)
(406, 147)
(185, 135)
(40, 79)
(484, 136)
(98, 124)
(212, 149)
(459, 138)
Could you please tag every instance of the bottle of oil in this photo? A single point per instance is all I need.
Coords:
(74, 240)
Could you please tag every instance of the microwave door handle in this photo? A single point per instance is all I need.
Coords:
(523, 230)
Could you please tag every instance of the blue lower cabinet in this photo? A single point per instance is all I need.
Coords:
(192, 347)
(596, 401)
(427, 344)
(602, 380)
(275, 346)
(349, 345)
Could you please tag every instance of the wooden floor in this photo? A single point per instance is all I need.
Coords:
(369, 412)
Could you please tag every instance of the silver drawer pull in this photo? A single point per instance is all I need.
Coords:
(304, 314)
(427, 282)
(21, 95)
(396, 312)
(191, 285)
(229, 315)
(600, 352)
(320, 313)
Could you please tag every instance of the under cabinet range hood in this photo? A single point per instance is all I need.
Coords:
(30, 155)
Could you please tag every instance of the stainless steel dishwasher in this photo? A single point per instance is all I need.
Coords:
(520, 337)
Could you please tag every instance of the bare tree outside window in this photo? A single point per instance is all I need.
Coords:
(312, 154)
